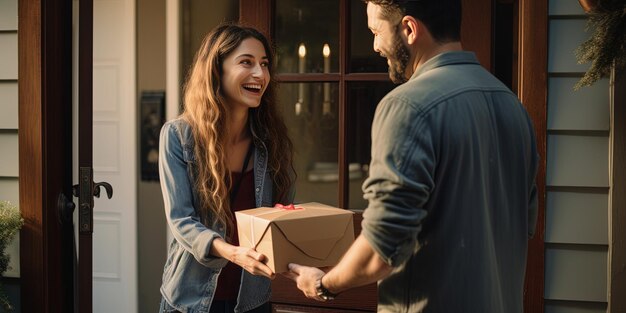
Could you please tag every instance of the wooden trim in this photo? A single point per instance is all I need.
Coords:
(331, 77)
(32, 245)
(344, 120)
(478, 41)
(532, 90)
(85, 152)
(617, 199)
(45, 98)
(311, 77)
(361, 77)
(257, 13)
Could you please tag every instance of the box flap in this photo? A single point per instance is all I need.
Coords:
(257, 221)
(328, 231)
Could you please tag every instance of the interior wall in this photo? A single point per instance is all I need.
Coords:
(151, 241)
(197, 18)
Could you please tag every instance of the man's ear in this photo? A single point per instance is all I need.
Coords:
(410, 29)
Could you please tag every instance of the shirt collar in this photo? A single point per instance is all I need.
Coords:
(446, 58)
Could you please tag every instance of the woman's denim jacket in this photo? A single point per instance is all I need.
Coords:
(191, 272)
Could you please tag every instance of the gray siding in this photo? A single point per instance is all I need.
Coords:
(577, 217)
(8, 15)
(9, 161)
(8, 55)
(577, 110)
(8, 157)
(577, 173)
(8, 104)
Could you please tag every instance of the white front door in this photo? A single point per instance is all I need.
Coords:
(114, 157)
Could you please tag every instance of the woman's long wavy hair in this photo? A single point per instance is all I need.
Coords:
(207, 112)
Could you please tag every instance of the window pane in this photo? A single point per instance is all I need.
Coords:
(363, 97)
(310, 112)
(363, 59)
(302, 29)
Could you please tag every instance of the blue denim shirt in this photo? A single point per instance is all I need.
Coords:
(451, 191)
(191, 272)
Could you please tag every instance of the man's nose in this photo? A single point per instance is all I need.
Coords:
(375, 45)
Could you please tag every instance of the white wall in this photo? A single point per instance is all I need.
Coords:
(577, 181)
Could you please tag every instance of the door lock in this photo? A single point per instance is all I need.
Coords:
(85, 190)
(65, 208)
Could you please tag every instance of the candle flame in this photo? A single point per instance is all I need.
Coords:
(302, 50)
(326, 50)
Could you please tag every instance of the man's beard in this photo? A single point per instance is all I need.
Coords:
(399, 59)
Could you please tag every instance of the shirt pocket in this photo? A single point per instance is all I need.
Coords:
(190, 159)
(188, 154)
(173, 261)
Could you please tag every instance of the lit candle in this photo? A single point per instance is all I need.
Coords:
(301, 54)
(301, 65)
(326, 103)
(326, 52)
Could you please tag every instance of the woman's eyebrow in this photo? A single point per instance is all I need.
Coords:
(247, 55)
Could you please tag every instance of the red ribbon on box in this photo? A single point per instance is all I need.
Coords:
(289, 207)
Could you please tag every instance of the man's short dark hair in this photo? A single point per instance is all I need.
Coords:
(441, 17)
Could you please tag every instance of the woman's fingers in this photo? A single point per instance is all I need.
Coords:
(257, 256)
(258, 268)
(253, 262)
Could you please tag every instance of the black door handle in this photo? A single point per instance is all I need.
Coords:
(107, 187)
(96, 189)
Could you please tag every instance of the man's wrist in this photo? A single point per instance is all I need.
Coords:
(322, 291)
(324, 281)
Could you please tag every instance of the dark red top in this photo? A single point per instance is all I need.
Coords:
(230, 277)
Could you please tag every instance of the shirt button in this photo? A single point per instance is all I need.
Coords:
(257, 190)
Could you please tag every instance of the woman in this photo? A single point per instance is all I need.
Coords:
(228, 151)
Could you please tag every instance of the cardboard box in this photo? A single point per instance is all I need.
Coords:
(311, 234)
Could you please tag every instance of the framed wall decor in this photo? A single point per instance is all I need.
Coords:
(152, 117)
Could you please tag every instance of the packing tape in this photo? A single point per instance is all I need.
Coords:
(277, 208)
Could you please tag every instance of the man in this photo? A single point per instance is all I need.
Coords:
(452, 198)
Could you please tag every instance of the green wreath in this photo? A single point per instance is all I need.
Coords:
(607, 45)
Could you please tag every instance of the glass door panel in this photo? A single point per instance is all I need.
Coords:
(307, 36)
(363, 59)
(363, 97)
(310, 112)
